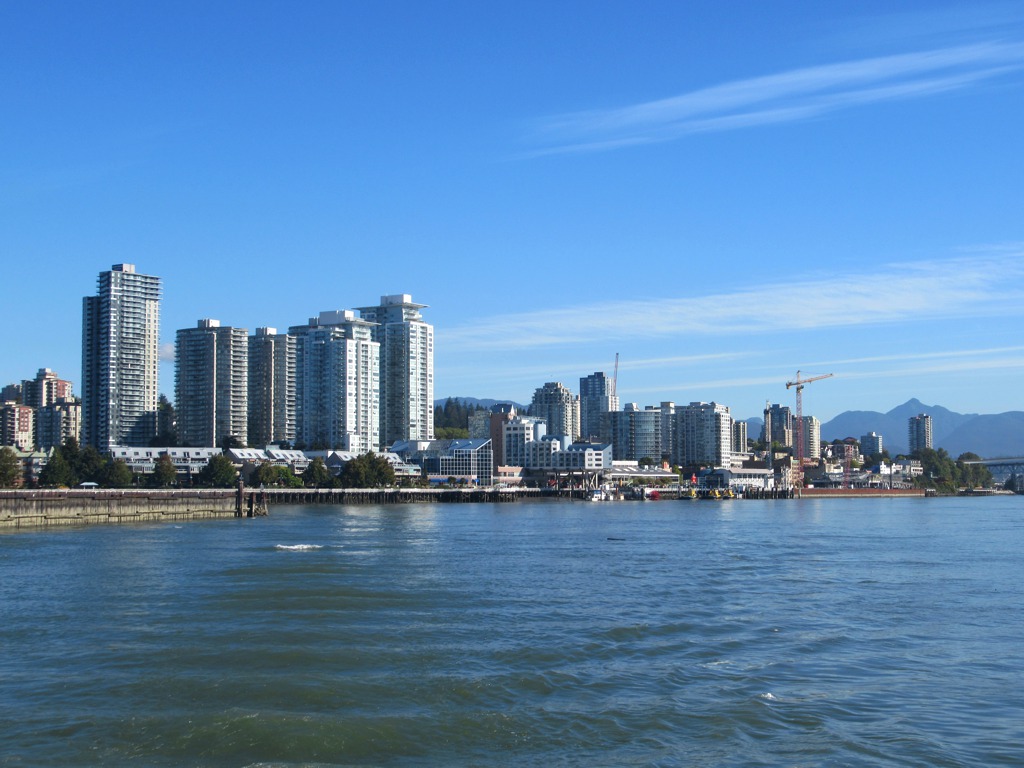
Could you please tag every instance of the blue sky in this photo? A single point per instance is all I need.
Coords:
(721, 192)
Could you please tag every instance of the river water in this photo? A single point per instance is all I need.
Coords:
(743, 633)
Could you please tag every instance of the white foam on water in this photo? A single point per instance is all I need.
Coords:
(297, 547)
(767, 697)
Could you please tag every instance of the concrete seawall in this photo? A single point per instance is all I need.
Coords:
(860, 493)
(32, 509)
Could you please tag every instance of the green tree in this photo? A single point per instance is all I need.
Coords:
(116, 474)
(57, 472)
(948, 476)
(219, 472)
(286, 478)
(367, 471)
(271, 474)
(265, 474)
(450, 433)
(454, 414)
(71, 451)
(166, 436)
(11, 470)
(317, 475)
(165, 474)
(88, 464)
(973, 475)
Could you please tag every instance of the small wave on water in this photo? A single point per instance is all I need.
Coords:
(297, 547)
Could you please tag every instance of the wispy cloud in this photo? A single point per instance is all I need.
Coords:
(955, 357)
(791, 96)
(976, 286)
(902, 366)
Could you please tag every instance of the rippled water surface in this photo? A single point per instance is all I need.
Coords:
(743, 633)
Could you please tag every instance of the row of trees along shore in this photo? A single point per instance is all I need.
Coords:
(70, 466)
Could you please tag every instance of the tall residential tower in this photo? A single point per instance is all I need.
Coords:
(120, 351)
(597, 397)
(271, 387)
(559, 408)
(211, 384)
(337, 383)
(919, 432)
(406, 368)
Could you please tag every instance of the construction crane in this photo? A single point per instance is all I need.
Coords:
(799, 383)
(615, 377)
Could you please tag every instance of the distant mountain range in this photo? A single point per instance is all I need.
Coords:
(988, 435)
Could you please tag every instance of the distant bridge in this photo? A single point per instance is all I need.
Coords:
(1002, 469)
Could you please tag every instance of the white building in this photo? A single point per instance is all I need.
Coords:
(120, 355)
(337, 383)
(558, 455)
(812, 438)
(187, 461)
(704, 435)
(559, 407)
(516, 434)
(211, 384)
(406, 368)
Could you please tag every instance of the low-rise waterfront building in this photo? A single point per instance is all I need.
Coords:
(467, 461)
(188, 461)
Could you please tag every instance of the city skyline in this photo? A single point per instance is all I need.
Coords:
(720, 199)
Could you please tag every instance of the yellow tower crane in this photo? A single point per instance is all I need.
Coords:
(799, 383)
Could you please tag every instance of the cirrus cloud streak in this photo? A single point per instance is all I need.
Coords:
(791, 96)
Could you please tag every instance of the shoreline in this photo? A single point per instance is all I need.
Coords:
(31, 509)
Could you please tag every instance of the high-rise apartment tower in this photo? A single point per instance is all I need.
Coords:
(406, 368)
(120, 353)
(597, 397)
(271, 387)
(919, 432)
(211, 384)
(337, 383)
(559, 408)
